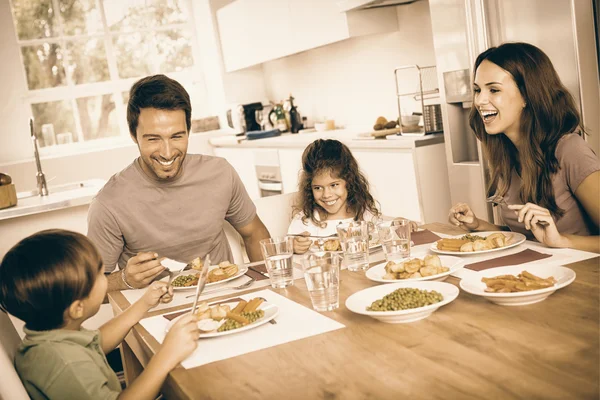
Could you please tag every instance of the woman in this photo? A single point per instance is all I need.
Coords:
(544, 174)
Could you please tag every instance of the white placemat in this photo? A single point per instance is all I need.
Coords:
(180, 296)
(559, 256)
(293, 322)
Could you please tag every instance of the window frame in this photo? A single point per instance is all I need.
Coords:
(115, 85)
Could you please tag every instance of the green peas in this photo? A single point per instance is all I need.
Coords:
(231, 324)
(406, 298)
(185, 280)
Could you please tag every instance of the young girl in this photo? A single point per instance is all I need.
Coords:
(54, 280)
(331, 190)
(545, 174)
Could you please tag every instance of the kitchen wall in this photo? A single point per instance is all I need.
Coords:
(353, 81)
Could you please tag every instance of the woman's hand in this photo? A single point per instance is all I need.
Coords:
(540, 222)
(302, 243)
(157, 292)
(462, 216)
(413, 226)
(181, 340)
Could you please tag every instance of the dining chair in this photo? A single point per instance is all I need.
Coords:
(11, 387)
(276, 212)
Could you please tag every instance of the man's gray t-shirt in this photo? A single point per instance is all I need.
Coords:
(181, 219)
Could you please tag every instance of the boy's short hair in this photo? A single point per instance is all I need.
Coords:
(43, 274)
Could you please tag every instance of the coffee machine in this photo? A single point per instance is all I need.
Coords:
(242, 117)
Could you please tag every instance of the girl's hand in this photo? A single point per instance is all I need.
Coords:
(302, 243)
(181, 340)
(157, 292)
(414, 226)
(462, 216)
(540, 222)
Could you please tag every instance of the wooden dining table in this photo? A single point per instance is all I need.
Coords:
(468, 349)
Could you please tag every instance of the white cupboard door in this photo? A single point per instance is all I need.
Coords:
(290, 164)
(317, 23)
(242, 161)
(254, 31)
(393, 182)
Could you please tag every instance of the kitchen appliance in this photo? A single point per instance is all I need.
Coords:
(563, 29)
(242, 117)
(268, 172)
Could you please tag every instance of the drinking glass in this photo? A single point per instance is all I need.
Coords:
(394, 236)
(322, 276)
(259, 116)
(278, 252)
(354, 238)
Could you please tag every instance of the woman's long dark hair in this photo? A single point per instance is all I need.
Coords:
(549, 114)
(333, 156)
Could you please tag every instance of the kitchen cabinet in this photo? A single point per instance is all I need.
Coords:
(290, 164)
(256, 31)
(242, 161)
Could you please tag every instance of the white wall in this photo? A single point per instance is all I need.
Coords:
(353, 81)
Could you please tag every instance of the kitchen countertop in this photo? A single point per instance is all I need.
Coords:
(346, 136)
(59, 197)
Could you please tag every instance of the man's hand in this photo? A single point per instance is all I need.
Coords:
(142, 268)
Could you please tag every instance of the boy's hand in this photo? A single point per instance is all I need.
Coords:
(181, 340)
(302, 243)
(157, 292)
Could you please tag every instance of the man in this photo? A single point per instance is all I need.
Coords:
(168, 203)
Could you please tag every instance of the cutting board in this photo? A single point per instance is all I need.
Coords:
(8, 196)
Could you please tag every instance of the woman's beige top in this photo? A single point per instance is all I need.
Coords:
(577, 161)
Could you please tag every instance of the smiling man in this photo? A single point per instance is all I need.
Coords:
(167, 203)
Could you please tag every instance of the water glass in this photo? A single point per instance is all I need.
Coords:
(394, 236)
(354, 238)
(278, 252)
(322, 276)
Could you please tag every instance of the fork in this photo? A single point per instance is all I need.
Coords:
(498, 200)
(242, 286)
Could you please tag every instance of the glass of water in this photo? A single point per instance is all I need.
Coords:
(354, 238)
(394, 236)
(322, 276)
(278, 252)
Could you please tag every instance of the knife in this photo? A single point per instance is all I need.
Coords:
(201, 282)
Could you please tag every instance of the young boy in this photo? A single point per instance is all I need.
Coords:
(54, 280)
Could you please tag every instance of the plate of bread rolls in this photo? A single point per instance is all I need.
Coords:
(477, 243)
(431, 267)
(231, 317)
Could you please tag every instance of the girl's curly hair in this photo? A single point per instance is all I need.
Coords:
(335, 157)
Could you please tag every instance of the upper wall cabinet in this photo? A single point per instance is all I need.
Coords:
(256, 31)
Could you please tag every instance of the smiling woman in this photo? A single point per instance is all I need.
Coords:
(545, 175)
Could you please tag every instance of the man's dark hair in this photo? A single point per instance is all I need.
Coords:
(43, 274)
(160, 92)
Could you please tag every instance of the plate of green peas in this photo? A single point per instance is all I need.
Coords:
(402, 302)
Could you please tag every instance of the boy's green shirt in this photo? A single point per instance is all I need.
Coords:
(64, 364)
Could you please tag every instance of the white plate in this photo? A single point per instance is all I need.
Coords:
(473, 284)
(514, 239)
(271, 311)
(359, 301)
(377, 272)
(241, 271)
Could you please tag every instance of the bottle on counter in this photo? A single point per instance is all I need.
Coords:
(295, 119)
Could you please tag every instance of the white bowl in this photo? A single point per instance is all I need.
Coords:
(359, 301)
(410, 120)
(377, 272)
(473, 284)
(320, 126)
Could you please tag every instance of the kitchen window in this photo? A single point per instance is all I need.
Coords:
(80, 57)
